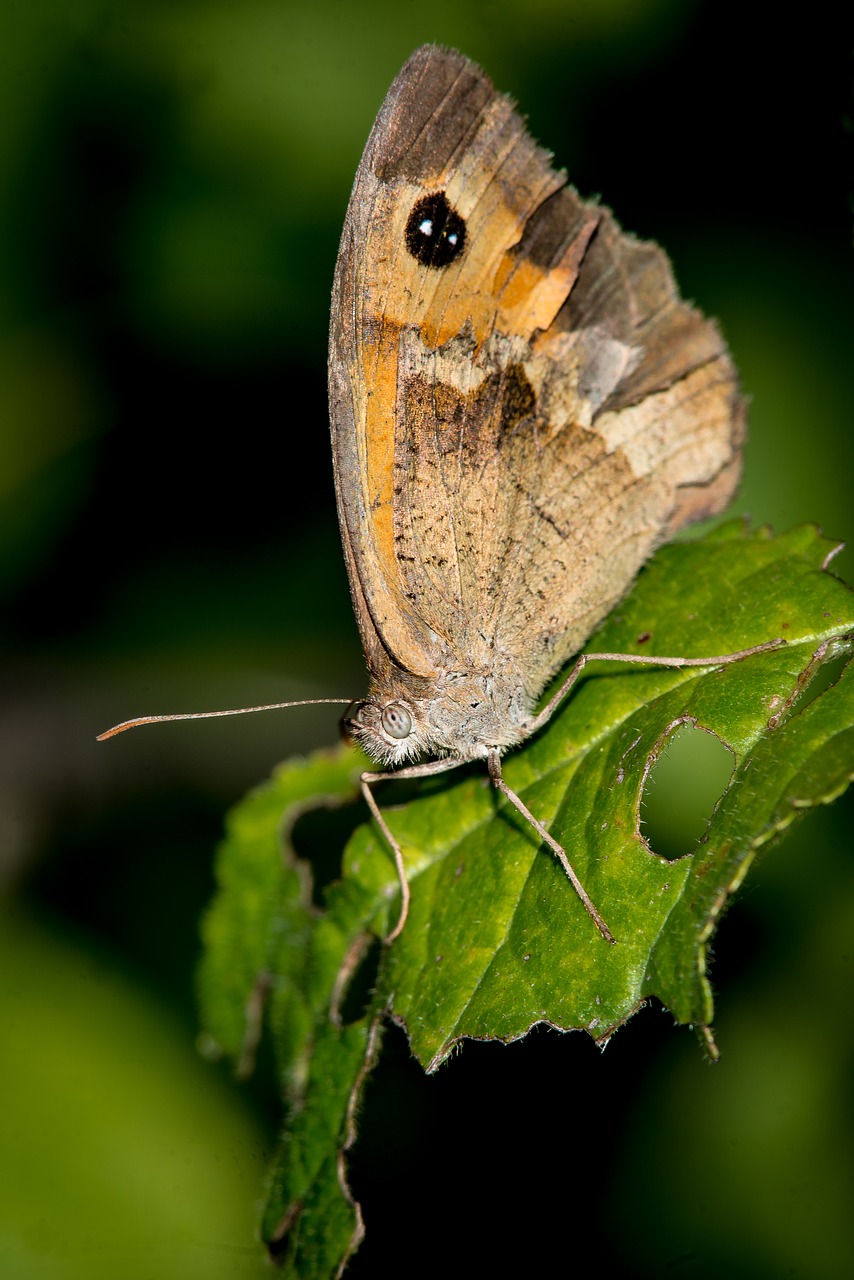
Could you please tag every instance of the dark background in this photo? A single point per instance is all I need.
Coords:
(173, 180)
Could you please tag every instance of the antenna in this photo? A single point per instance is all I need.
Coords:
(209, 715)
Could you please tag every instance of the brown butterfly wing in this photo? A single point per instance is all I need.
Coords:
(518, 420)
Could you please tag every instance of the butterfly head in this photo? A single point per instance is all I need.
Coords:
(388, 731)
(463, 715)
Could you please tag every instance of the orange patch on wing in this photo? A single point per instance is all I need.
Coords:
(392, 612)
(530, 295)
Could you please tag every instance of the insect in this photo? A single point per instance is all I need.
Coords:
(522, 410)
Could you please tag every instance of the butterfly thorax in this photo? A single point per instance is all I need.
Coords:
(462, 714)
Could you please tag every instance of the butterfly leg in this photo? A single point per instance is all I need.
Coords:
(548, 710)
(423, 770)
(557, 849)
(721, 660)
(366, 780)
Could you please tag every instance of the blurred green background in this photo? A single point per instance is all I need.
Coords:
(173, 179)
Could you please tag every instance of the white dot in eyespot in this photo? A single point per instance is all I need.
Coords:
(426, 227)
(453, 238)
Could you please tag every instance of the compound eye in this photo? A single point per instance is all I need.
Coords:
(396, 720)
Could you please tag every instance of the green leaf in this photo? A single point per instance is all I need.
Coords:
(497, 940)
(269, 952)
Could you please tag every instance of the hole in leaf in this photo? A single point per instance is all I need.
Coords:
(360, 986)
(280, 1244)
(682, 789)
(319, 836)
(822, 678)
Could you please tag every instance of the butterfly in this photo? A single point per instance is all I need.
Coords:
(522, 410)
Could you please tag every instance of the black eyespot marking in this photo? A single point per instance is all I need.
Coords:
(435, 232)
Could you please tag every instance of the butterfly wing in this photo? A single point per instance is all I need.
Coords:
(522, 406)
